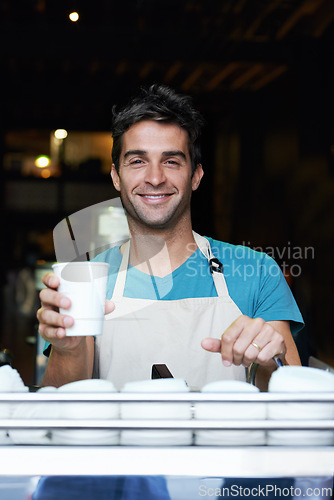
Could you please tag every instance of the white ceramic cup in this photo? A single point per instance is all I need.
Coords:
(230, 411)
(10, 381)
(35, 410)
(85, 283)
(300, 379)
(156, 411)
(87, 410)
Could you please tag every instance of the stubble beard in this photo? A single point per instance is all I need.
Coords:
(137, 219)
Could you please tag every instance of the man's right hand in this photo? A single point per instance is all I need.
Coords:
(71, 358)
(52, 324)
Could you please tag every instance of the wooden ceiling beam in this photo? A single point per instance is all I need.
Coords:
(239, 6)
(261, 17)
(121, 68)
(221, 75)
(322, 25)
(268, 77)
(195, 75)
(323, 18)
(146, 69)
(173, 71)
(246, 76)
(308, 8)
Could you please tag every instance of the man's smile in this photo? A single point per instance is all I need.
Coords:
(151, 198)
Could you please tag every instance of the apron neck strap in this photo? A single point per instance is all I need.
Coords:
(121, 275)
(216, 267)
(203, 245)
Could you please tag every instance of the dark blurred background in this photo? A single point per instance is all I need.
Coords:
(261, 72)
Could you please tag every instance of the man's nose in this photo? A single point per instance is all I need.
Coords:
(155, 174)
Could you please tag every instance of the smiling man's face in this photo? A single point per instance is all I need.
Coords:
(155, 180)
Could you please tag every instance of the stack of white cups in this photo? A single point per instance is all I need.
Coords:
(156, 411)
(10, 381)
(230, 411)
(35, 410)
(83, 410)
(301, 379)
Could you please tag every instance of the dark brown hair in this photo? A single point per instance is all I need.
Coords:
(159, 103)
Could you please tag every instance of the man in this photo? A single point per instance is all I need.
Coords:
(164, 309)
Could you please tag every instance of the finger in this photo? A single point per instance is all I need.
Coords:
(58, 339)
(109, 307)
(53, 298)
(237, 338)
(264, 346)
(50, 280)
(250, 331)
(251, 354)
(51, 334)
(253, 337)
(229, 337)
(212, 345)
(276, 347)
(266, 335)
(264, 355)
(52, 318)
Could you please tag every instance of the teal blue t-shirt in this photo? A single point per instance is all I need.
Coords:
(254, 280)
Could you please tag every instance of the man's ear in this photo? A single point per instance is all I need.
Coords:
(197, 177)
(115, 177)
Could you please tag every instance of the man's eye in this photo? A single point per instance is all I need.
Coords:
(136, 162)
(172, 162)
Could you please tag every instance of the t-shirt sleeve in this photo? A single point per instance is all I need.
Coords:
(47, 349)
(275, 301)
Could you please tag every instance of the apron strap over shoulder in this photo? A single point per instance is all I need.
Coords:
(121, 275)
(216, 268)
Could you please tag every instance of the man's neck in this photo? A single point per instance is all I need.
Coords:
(161, 252)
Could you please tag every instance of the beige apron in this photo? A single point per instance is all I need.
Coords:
(143, 332)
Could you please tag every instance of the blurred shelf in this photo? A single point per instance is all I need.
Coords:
(262, 461)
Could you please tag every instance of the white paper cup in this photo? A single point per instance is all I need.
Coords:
(230, 411)
(89, 410)
(156, 411)
(85, 283)
(299, 379)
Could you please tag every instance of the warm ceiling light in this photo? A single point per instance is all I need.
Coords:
(74, 16)
(42, 161)
(60, 133)
(46, 173)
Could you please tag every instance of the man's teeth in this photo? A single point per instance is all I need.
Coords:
(154, 196)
